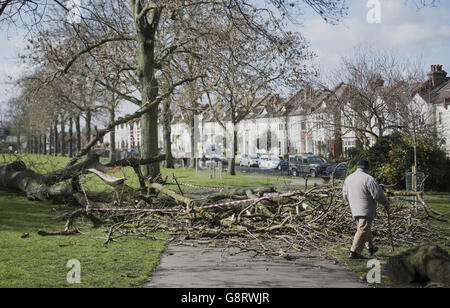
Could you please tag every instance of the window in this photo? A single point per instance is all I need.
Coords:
(440, 118)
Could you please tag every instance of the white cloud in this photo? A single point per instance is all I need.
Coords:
(402, 29)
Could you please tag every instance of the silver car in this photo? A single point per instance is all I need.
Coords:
(249, 160)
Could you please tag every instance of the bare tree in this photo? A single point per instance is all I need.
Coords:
(373, 97)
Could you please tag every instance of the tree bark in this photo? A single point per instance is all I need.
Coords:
(55, 136)
(78, 132)
(146, 25)
(167, 132)
(232, 159)
(70, 137)
(35, 144)
(193, 145)
(17, 176)
(63, 137)
(50, 148)
(88, 125)
(112, 134)
(19, 144)
(44, 150)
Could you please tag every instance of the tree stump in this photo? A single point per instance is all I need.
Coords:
(422, 264)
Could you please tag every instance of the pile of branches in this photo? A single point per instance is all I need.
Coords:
(276, 222)
(268, 220)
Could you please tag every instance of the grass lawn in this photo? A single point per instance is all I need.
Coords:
(37, 261)
(438, 201)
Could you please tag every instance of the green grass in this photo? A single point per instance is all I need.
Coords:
(37, 261)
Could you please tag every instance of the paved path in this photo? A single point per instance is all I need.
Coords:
(205, 267)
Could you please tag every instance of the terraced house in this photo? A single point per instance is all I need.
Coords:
(322, 121)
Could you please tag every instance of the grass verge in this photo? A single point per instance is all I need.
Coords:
(30, 260)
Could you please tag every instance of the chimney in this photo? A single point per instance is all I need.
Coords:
(436, 76)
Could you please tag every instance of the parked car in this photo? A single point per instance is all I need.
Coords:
(262, 161)
(249, 160)
(339, 169)
(269, 162)
(283, 164)
(302, 164)
(219, 157)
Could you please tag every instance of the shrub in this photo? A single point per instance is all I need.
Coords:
(392, 156)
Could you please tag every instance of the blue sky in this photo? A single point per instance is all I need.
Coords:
(423, 34)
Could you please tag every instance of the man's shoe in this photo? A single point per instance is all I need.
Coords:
(355, 256)
(372, 250)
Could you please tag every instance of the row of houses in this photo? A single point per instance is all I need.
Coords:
(310, 121)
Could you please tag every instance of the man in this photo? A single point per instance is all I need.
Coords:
(362, 191)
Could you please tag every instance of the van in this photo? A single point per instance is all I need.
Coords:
(302, 164)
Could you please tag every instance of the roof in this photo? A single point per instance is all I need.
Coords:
(438, 95)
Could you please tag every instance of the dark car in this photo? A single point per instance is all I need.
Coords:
(284, 164)
(339, 169)
(303, 164)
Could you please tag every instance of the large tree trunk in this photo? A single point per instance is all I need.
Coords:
(150, 141)
(17, 176)
(146, 26)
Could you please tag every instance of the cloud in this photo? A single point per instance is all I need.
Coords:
(403, 29)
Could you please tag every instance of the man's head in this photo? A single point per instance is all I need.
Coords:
(364, 165)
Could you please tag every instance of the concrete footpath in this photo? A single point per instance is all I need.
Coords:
(206, 267)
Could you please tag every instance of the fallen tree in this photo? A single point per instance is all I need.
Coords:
(16, 175)
(269, 220)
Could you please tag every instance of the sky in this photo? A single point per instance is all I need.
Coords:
(384, 24)
(421, 35)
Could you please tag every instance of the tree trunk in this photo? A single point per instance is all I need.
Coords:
(55, 136)
(150, 141)
(112, 139)
(88, 125)
(35, 144)
(167, 132)
(50, 148)
(63, 137)
(193, 145)
(232, 159)
(78, 132)
(40, 144)
(146, 26)
(45, 143)
(19, 144)
(70, 137)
